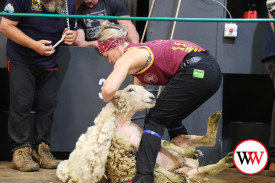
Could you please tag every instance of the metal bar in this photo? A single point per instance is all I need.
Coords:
(138, 18)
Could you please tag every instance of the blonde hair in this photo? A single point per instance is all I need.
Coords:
(110, 30)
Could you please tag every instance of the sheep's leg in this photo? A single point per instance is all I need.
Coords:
(213, 169)
(175, 178)
(209, 140)
(188, 153)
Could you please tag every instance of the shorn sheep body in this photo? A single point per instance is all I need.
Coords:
(107, 151)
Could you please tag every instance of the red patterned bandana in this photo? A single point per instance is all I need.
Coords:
(110, 44)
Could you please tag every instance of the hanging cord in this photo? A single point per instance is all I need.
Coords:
(67, 13)
(68, 26)
(145, 28)
(175, 22)
(171, 37)
(146, 24)
(144, 31)
(223, 7)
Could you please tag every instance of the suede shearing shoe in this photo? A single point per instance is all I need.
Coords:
(44, 157)
(22, 160)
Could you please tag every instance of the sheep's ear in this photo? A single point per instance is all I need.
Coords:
(115, 100)
(118, 101)
(116, 97)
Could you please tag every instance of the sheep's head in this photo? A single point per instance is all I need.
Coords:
(133, 98)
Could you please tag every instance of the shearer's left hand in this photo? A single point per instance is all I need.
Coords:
(70, 36)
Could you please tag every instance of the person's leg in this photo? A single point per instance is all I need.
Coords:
(22, 86)
(148, 149)
(47, 86)
(270, 66)
(187, 93)
(184, 93)
(176, 129)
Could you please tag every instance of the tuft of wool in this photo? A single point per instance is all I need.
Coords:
(91, 151)
(121, 164)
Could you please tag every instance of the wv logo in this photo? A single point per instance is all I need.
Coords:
(250, 157)
(247, 157)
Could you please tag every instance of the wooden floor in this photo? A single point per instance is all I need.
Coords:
(10, 175)
(231, 175)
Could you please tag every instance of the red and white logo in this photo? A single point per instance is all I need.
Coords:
(250, 157)
(150, 78)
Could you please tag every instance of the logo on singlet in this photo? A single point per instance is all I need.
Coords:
(150, 78)
(37, 5)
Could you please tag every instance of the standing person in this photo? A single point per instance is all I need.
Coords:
(191, 76)
(32, 74)
(269, 62)
(88, 28)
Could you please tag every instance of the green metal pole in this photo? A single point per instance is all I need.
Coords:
(138, 18)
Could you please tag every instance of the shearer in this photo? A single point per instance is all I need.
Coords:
(191, 76)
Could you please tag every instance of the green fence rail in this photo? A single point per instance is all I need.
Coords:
(138, 18)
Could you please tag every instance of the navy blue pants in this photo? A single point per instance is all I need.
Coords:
(29, 86)
(185, 92)
(270, 66)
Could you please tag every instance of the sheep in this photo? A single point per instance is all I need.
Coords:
(86, 164)
(176, 162)
(107, 151)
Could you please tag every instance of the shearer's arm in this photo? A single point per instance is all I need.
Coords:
(129, 63)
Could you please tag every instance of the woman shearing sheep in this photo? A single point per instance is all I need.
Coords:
(190, 75)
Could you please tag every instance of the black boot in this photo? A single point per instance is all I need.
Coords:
(177, 131)
(146, 157)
